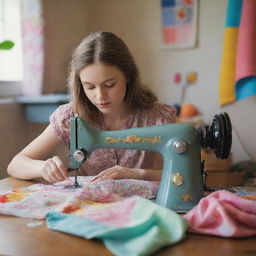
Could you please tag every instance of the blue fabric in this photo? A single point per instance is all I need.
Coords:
(234, 13)
(151, 227)
(246, 87)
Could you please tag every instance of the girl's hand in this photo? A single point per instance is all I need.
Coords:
(54, 170)
(119, 172)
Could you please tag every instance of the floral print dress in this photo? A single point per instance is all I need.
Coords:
(102, 159)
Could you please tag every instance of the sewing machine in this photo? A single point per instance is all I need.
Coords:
(182, 182)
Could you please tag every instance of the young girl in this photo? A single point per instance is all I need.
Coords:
(107, 93)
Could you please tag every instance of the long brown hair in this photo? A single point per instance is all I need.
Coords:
(109, 49)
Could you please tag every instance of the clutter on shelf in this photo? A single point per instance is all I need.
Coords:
(188, 114)
(219, 170)
(248, 169)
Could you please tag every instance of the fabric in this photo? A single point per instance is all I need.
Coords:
(36, 200)
(146, 227)
(116, 212)
(33, 46)
(246, 52)
(238, 68)
(110, 210)
(224, 214)
(102, 159)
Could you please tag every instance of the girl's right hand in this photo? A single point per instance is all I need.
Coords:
(54, 170)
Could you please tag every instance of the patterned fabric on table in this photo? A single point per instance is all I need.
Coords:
(112, 210)
(36, 200)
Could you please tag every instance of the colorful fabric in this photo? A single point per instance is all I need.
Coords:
(102, 159)
(225, 214)
(116, 212)
(36, 200)
(110, 210)
(238, 68)
(144, 228)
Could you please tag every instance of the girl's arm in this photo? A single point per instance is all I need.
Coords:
(32, 161)
(120, 172)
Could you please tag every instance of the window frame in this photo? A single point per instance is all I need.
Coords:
(10, 29)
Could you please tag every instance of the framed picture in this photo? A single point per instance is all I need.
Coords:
(179, 23)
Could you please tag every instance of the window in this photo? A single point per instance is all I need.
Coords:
(11, 63)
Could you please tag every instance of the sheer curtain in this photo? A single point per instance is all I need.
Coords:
(33, 46)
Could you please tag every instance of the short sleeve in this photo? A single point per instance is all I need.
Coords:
(159, 114)
(60, 120)
(166, 114)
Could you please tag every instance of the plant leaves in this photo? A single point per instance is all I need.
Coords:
(6, 45)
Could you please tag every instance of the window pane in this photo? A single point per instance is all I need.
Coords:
(11, 66)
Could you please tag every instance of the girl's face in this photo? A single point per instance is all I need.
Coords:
(104, 86)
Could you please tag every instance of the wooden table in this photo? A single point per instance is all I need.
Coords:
(17, 238)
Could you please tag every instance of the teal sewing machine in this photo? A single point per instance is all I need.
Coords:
(182, 182)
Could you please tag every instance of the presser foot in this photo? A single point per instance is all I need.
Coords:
(76, 184)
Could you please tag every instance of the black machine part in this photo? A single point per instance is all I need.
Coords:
(218, 136)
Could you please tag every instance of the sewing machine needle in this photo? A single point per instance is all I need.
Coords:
(76, 183)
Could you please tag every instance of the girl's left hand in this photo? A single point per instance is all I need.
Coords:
(119, 172)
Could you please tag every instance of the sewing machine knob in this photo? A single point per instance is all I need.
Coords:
(79, 155)
(177, 179)
(179, 146)
(218, 136)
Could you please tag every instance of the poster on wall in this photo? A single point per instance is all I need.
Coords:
(179, 23)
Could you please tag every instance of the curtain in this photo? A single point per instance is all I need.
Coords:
(33, 47)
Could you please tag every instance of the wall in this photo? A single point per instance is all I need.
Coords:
(16, 133)
(138, 22)
(65, 24)
(11, 136)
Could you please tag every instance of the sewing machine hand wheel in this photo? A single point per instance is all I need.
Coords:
(219, 136)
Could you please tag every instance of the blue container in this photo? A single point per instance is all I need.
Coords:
(39, 108)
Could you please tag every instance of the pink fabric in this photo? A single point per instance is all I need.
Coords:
(93, 198)
(246, 50)
(225, 214)
(102, 159)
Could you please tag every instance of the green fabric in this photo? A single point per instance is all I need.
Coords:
(151, 227)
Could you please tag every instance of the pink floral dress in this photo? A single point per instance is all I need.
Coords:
(102, 159)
